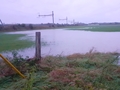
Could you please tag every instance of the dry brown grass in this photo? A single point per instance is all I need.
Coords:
(74, 77)
(5, 70)
(63, 75)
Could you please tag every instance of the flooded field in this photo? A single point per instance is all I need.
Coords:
(64, 42)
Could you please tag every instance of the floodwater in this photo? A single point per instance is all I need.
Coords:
(65, 42)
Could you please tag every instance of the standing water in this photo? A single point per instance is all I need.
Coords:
(66, 42)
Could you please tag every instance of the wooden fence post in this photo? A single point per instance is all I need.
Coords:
(38, 46)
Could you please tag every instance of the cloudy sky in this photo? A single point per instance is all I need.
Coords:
(26, 11)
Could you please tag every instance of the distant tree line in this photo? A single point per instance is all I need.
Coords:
(15, 27)
(110, 23)
(11, 27)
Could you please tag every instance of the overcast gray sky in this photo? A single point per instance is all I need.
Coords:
(26, 11)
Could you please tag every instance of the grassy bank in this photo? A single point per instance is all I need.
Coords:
(9, 42)
(90, 71)
(98, 28)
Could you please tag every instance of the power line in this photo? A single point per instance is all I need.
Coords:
(72, 21)
(66, 19)
(47, 15)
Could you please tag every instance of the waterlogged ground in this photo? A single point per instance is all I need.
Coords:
(9, 42)
(65, 42)
(97, 28)
(90, 71)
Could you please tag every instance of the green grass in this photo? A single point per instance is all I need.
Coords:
(9, 42)
(98, 28)
(90, 71)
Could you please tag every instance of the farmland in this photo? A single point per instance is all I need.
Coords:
(10, 42)
(90, 71)
(98, 28)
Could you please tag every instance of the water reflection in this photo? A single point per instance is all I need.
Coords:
(69, 41)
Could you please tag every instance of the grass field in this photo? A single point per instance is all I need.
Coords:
(90, 71)
(9, 42)
(98, 28)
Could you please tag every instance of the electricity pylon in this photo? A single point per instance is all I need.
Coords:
(47, 15)
(66, 19)
(1, 21)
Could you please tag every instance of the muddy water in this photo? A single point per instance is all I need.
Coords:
(66, 42)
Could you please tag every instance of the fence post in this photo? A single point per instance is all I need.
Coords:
(38, 46)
